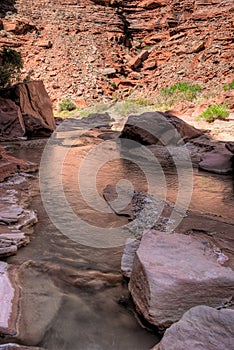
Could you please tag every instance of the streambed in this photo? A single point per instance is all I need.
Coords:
(73, 291)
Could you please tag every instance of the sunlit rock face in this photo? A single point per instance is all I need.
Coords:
(25, 110)
(200, 327)
(9, 295)
(172, 273)
(92, 49)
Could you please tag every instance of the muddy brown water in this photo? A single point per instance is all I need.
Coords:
(90, 316)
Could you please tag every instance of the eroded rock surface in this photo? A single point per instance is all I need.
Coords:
(16, 219)
(185, 41)
(9, 299)
(26, 309)
(219, 162)
(30, 111)
(201, 327)
(158, 128)
(230, 146)
(12, 346)
(40, 302)
(10, 165)
(128, 256)
(11, 120)
(172, 273)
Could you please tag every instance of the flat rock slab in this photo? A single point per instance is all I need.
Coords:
(39, 304)
(201, 327)
(12, 219)
(15, 219)
(10, 213)
(10, 165)
(172, 273)
(11, 241)
(17, 347)
(9, 297)
(217, 162)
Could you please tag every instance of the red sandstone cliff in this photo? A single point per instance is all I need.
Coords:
(92, 49)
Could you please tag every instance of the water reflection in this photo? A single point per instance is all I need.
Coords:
(86, 319)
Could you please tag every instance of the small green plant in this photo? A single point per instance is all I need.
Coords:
(66, 105)
(214, 112)
(75, 113)
(181, 87)
(29, 76)
(11, 64)
(180, 91)
(140, 101)
(229, 86)
(113, 84)
(36, 35)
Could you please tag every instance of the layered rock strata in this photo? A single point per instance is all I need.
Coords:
(94, 49)
(202, 327)
(25, 110)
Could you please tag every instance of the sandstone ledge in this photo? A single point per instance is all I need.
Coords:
(172, 273)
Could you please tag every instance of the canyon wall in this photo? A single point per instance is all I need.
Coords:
(103, 48)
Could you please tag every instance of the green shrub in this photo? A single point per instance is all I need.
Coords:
(11, 64)
(181, 87)
(229, 86)
(66, 105)
(214, 112)
(180, 91)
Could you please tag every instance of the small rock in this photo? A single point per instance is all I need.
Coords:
(152, 4)
(136, 62)
(108, 71)
(47, 44)
(130, 249)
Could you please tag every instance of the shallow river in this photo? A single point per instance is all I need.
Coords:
(87, 271)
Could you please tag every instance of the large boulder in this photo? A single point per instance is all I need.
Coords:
(172, 273)
(201, 327)
(158, 128)
(11, 120)
(219, 162)
(35, 107)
